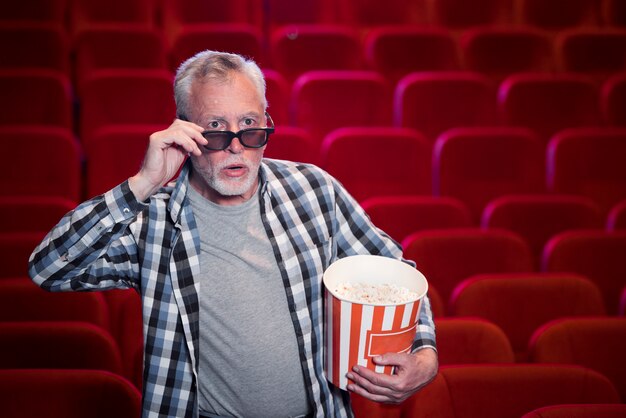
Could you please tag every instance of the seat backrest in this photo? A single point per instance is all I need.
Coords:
(34, 11)
(558, 14)
(396, 51)
(596, 254)
(34, 45)
(548, 102)
(55, 154)
(400, 216)
(32, 213)
(614, 13)
(459, 14)
(94, 393)
(609, 410)
(538, 217)
(378, 161)
(16, 248)
(433, 102)
(616, 218)
(476, 165)
(448, 256)
(521, 303)
(613, 100)
(114, 13)
(598, 343)
(293, 144)
(372, 14)
(471, 341)
(277, 93)
(22, 300)
(68, 345)
(322, 101)
(594, 51)
(588, 162)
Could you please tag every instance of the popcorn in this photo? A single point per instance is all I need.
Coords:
(375, 294)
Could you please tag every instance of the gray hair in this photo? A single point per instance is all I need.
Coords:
(213, 65)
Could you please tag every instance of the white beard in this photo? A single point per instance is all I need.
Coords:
(227, 186)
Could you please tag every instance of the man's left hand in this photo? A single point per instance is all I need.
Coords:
(412, 372)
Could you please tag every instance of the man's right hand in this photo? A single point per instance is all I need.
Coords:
(167, 150)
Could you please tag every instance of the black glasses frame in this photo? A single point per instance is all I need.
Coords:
(239, 135)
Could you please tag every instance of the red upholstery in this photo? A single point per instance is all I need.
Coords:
(431, 49)
(34, 11)
(121, 47)
(287, 12)
(34, 45)
(378, 161)
(239, 38)
(520, 303)
(622, 303)
(597, 343)
(277, 93)
(476, 165)
(52, 150)
(126, 97)
(114, 13)
(548, 103)
(35, 97)
(57, 345)
(614, 13)
(613, 100)
(616, 218)
(67, 394)
(599, 52)
(558, 14)
(295, 50)
(106, 166)
(22, 300)
(598, 255)
(16, 248)
(436, 303)
(502, 51)
(471, 341)
(538, 217)
(400, 216)
(613, 410)
(323, 101)
(448, 256)
(32, 213)
(589, 162)
(370, 14)
(293, 144)
(433, 102)
(460, 14)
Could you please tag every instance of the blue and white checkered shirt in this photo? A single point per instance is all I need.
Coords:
(115, 241)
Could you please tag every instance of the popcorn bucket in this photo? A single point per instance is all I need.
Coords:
(355, 331)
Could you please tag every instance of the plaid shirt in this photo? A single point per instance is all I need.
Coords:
(114, 241)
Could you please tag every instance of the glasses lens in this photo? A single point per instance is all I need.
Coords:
(217, 140)
(254, 138)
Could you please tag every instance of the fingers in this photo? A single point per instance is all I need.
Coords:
(182, 134)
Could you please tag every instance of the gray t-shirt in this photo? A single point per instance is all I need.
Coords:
(249, 359)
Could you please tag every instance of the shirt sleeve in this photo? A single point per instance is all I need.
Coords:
(91, 247)
(356, 234)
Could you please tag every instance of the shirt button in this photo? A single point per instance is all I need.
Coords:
(126, 210)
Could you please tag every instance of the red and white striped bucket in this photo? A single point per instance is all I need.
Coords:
(356, 332)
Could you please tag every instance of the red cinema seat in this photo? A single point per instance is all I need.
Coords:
(32, 213)
(502, 51)
(293, 144)
(448, 256)
(21, 300)
(596, 343)
(476, 165)
(86, 14)
(295, 50)
(378, 161)
(460, 14)
(588, 162)
(521, 303)
(35, 97)
(613, 100)
(26, 45)
(16, 248)
(433, 102)
(117, 48)
(506, 390)
(548, 103)
(614, 13)
(126, 97)
(436, 303)
(610, 410)
(322, 101)
(396, 51)
(471, 341)
(106, 166)
(400, 216)
(66, 345)
(371, 14)
(616, 219)
(597, 52)
(279, 13)
(34, 11)
(537, 218)
(238, 38)
(558, 14)
(622, 303)
(67, 394)
(596, 254)
(52, 150)
(277, 93)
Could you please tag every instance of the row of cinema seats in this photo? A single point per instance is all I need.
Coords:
(493, 51)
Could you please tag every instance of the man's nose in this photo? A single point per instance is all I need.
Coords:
(235, 146)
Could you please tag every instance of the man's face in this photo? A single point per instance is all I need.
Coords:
(229, 176)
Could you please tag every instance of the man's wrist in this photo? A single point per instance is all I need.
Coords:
(141, 188)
